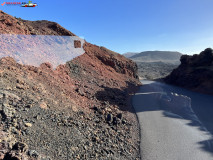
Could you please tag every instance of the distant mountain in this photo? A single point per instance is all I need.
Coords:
(155, 56)
(155, 64)
(129, 54)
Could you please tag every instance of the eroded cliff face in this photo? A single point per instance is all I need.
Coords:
(77, 111)
(195, 72)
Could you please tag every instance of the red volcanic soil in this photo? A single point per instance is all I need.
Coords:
(86, 98)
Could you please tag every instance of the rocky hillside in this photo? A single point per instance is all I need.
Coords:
(11, 25)
(80, 110)
(154, 70)
(129, 54)
(195, 72)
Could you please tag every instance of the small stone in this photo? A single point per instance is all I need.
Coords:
(74, 108)
(28, 106)
(33, 153)
(20, 81)
(119, 115)
(43, 105)
(109, 118)
(19, 86)
(115, 120)
(22, 147)
(28, 124)
(95, 139)
(78, 157)
(95, 108)
(102, 112)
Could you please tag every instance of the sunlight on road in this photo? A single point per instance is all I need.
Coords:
(170, 129)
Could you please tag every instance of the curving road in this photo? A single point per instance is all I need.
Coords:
(175, 124)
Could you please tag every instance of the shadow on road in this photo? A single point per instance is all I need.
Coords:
(178, 103)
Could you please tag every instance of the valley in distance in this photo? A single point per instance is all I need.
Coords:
(155, 64)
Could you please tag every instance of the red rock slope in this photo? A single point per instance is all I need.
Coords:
(87, 99)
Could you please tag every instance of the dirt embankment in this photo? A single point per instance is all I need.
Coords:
(77, 111)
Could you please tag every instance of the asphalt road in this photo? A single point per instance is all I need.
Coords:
(175, 124)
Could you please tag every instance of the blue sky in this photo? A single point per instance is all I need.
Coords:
(130, 25)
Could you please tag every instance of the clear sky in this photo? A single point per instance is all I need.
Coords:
(130, 25)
